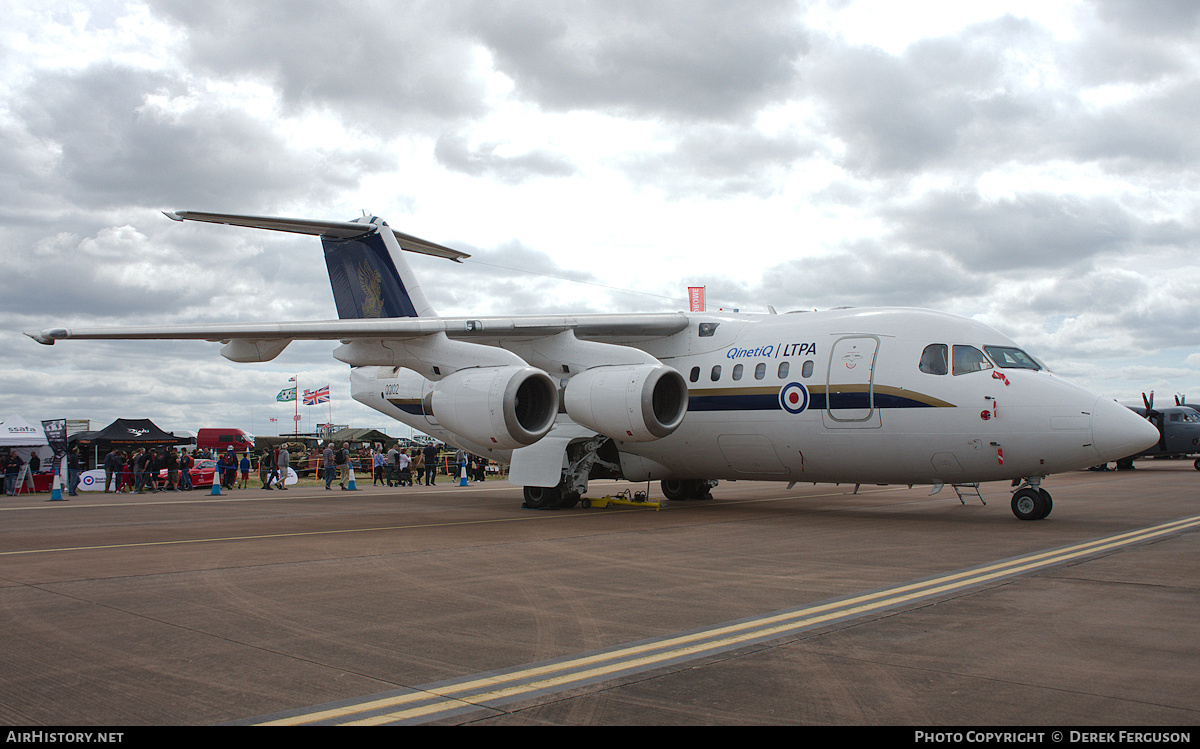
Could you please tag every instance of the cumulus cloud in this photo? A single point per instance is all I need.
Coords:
(1029, 231)
(455, 152)
(677, 60)
(382, 68)
(108, 136)
(720, 160)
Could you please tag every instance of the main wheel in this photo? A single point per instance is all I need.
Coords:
(1049, 503)
(540, 497)
(676, 488)
(679, 489)
(1029, 504)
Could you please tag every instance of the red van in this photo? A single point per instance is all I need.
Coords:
(220, 440)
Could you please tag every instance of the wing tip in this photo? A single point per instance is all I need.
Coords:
(47, 337)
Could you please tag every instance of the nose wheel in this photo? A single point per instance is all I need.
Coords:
(1031, 504)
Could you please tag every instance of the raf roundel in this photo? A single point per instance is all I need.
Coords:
(793, 398)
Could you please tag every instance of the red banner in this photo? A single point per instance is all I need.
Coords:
(696, 298)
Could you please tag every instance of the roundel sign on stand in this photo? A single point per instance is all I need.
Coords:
(793, 398)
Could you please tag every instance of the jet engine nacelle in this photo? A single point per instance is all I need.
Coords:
(503, 407)
(636, 403)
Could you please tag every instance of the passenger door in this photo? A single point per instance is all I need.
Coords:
(850, 381)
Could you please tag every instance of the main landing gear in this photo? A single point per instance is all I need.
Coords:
(1031, 502)
(678, 489)
(541, 497)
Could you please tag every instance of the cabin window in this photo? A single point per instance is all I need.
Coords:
(716, 372)
(969, 359)
(934, 359)
(783, 369)
(807, 369)
(737, 371)
(760, 371)
(1008, 357)
(695, 374)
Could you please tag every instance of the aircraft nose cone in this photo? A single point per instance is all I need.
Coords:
(1118, 432)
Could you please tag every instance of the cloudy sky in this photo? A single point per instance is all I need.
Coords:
(1032, 165)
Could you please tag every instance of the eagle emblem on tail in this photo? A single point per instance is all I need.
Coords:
(370, 282)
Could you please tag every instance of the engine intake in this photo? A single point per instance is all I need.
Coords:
(504, 407)
(636, 403)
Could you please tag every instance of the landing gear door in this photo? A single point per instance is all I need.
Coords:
(850, 383)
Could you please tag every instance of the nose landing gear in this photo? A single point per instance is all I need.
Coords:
(1031, 502)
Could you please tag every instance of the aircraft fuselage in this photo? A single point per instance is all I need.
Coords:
(837, 396)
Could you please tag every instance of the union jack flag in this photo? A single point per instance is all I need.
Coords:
(313, 397)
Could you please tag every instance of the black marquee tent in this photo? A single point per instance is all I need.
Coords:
(126, 433)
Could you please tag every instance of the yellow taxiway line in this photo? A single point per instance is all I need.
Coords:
(487, 691)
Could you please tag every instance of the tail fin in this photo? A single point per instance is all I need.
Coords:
(367, 271)
(369, 280)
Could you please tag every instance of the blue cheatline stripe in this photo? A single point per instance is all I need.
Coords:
(490, 691)
(818, 400)
(408, 406)
(756, 402)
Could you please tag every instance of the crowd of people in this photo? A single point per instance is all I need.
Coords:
(140, 470)
(396, 466)
(399, 466)
(157, 469)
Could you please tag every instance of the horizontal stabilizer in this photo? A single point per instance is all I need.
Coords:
(330, 229)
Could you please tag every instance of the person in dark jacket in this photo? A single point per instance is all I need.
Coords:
(74, 467)
(431, 455)
(185, 470)
(12, 467)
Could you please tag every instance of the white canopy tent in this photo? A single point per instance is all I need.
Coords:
(24, 439)
(15, 431)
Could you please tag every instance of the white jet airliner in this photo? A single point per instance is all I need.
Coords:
(875, 395)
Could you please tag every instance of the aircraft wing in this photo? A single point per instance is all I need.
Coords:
(397, 329)
(492, 381)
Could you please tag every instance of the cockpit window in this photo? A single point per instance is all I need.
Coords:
(969, 359)
(1011, 358)
(934, 359)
